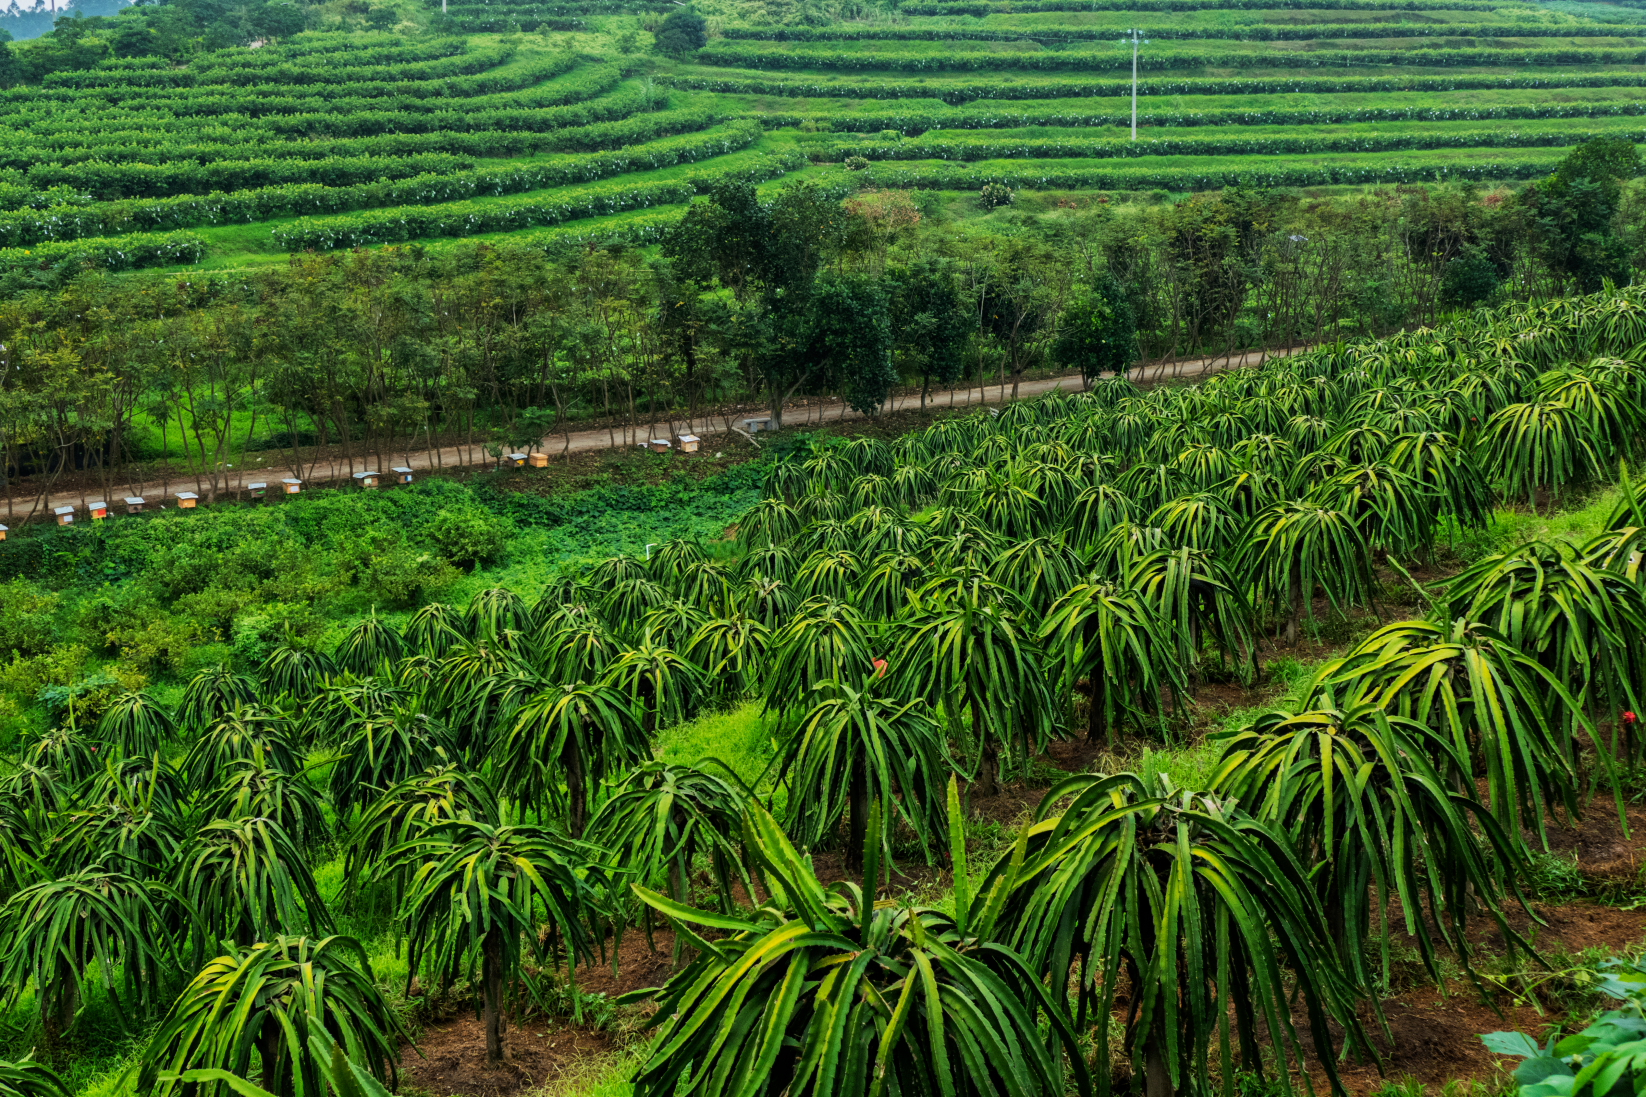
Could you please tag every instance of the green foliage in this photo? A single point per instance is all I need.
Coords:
(273, 1000)
(660, 819)
(911, 999)
(1375, 799)
(467, 537)
(858, 750)
(1208, 912)
(576, 734)
(481, 896)
(27, 1078)
(1111, 644)
(1098, 333)
(58, 930)
(246, 880)
(1605, 1057)
(1498, 706)
(683, 30)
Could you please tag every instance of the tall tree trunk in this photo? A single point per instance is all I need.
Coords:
(576, 789)
(268, 1052)
(491, 979)
(1157, 1078)
(1296, 614)
(857, 828)
(988, 757)
(61, 1007)
(1097, 724)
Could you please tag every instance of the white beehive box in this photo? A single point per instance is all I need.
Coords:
(367, 479)
(291, 487)
(402, 474)
(688, 442)
(65, 515)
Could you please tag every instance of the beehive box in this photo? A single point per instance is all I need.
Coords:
(187, 500)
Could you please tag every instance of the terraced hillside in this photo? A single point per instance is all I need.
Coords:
(328, 141)
(952, 95)
(331, 141)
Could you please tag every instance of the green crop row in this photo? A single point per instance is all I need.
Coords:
(92, 115)
(1256, 32)
(312, 44)
(115, 253)
(1282, 173)
(513, 142)
(385, 226)
(111, 181)
(994, 116)
(239, 66)
(967, 147)
(360, 123)
(757, 83)
(950, 60)
(530, 10)
(398, 53)
(288, 75)
(28, 226)
(322, 94)
(111, 135)
(983, 7)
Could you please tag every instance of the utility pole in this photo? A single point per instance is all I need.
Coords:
(1136, 40)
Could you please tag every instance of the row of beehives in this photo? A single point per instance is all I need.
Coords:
(188, 500)
(685, 443)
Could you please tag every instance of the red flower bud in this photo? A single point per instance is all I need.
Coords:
(880, 668)
(1630, 718)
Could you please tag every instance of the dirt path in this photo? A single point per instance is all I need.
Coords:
(797, 417)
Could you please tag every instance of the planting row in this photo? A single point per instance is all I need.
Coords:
(115, 253)
(1393, 107)
(328, 72)
(960, 90)
(1185, 173)
(164, 149)
(950, 145)
(940, 60)
(367, 117)
(1009, 7)
(1296, 32)
(252, 98)
(69, 222)
(382, 226)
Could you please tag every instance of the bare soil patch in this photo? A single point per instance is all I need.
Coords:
(453, 1060)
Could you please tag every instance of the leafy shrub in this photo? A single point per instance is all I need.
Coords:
(1469, 279)
(683, 31)
(994, 195)
(26, 614)
(397, 575)
(1605, 1058)
(468, 536)
(856, 163)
